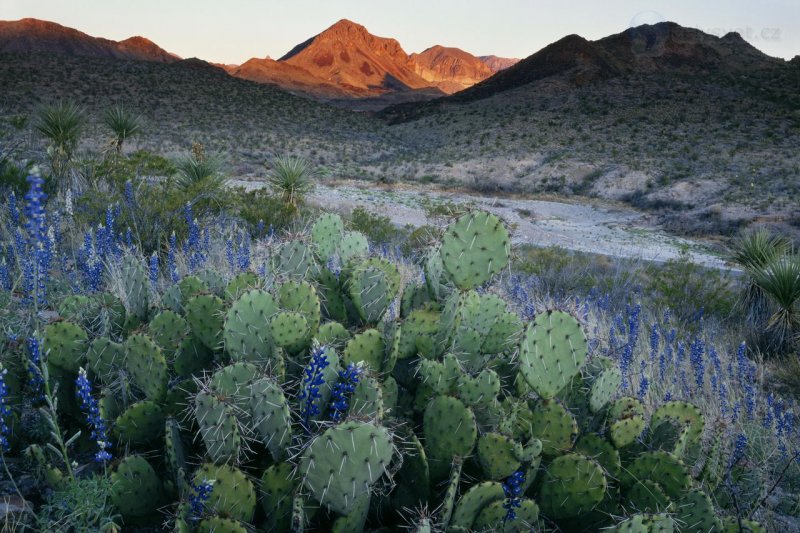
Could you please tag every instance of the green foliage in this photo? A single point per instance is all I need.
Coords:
(62, 124)
(377, 228)
(201, 173)
(81, 505)
(780, 282)
(291, 178)
(123, 125)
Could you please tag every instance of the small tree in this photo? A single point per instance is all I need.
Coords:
(291, 178)
(780, 282)
(754, 251)
(123, 124)
(200, 172)
(61, 124)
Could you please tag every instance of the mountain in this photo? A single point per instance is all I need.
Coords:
(665, 48)
(347, 55)
(285, 75)
(33, 35)
(450, 69)
(496, 64)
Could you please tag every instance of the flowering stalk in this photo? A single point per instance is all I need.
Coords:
(512, 488)
(348, 379)
(93, 418)
(311, 383)
(198, 499)
(5, 412)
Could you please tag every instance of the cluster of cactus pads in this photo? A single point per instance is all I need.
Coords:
(232, 384)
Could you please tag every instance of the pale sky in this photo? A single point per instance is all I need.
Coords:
(232, 31)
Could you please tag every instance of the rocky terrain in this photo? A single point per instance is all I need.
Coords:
(33, 35)
(699, 131)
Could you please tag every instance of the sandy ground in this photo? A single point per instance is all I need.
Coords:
(614, 231)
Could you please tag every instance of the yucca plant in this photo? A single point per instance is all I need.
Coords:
(780, 283)
(61, 124)
(200, 171)
(123, 124)
(291, 178)
(754, 251)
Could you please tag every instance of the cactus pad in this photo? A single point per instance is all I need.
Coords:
(552, 352)
(342, 464)
(233, 494)
(271, 416)
(65, 344)
(573, 485)
(245, 332)
(475, 248)
(135, 488)
(205, 316)
(147, 366)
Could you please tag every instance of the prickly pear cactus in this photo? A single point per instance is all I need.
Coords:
(233, 493)
(65, 344)
(205, 316)
(341, 465)
(326, 234)
(147, 366)
(134, 286)
(245, 332)
(271, 416)
(475, 248)
(135, 488)
(552, 352)
(573, 485)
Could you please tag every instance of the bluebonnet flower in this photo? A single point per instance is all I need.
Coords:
(644, 383)
(5, 276)
(198, 499)
(625, 364)
(5, 411)
(654, 338)
(311, 382)
(34, 209)
(93, 418)
(260, 227)
(634, 320)
(130, 198)
(35, 378)
(739, 449)
(153, 270)
(750, 400)
(229, 253)
(742, 363)
(243, 257)
(171, 264)
(512, 488)
(348, 379)
(696, 351)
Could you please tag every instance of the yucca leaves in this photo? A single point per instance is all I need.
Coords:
(194, 171)
(123, 124)
(780, 282)
(291, 178)
(755, 250)
(62, 124)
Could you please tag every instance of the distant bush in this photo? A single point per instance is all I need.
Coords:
(379, 229)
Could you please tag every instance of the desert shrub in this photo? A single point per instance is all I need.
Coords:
(291, 178)
(123, 124)
(262, 211)
(379, 229)
(62, 124)
(687, 288)
(81, 505)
